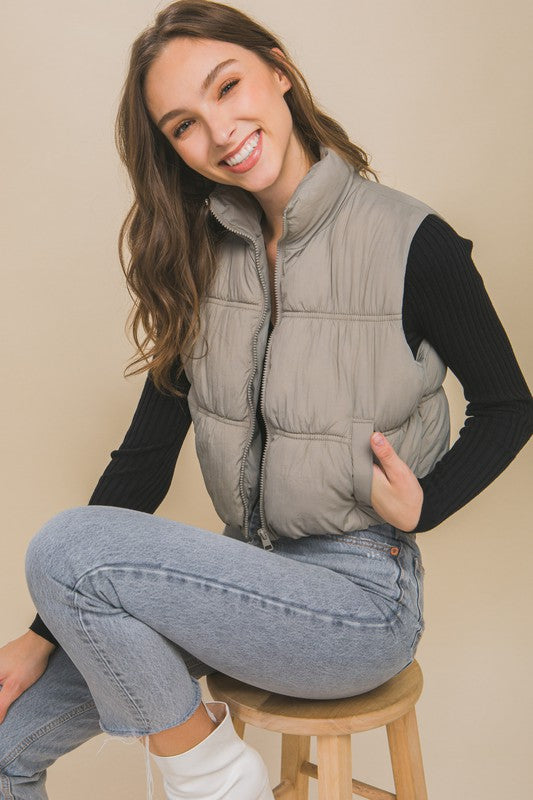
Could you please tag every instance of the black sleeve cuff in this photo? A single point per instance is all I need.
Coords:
(40, 628)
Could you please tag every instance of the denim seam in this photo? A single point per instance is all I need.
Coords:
(351, 539)
(419, 578)
(201, 580)
(420, 627)
(137, 732)
(5, 783)
(416, 613)
(401, 577)
(99, 654)
(42, 731)
(385, 548)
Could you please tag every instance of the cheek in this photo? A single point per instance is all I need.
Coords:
(193, 153)
(259, 103)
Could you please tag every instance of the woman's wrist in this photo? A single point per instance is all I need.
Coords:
(39, 641)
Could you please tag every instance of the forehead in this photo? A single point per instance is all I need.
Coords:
(179, 69)
(195, 51)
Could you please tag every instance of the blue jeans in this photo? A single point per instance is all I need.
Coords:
(143, 606)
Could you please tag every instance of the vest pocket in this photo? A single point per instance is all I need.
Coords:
(362, 459)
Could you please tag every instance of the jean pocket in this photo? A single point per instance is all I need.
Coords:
(362, 459)
(373, 563)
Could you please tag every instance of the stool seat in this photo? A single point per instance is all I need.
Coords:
(333, 722)
(285, 714)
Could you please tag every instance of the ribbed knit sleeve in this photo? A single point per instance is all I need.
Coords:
(141, 469)
(445, 302)
(39, 627)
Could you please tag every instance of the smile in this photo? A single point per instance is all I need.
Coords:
(245, 151)
(247, 154)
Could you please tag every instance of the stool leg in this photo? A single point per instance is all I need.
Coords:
(406, 758)
(334, 762)
(294, 751)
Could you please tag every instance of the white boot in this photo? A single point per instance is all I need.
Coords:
(220, 767)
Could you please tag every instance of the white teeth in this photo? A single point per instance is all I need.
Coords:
(245, 151)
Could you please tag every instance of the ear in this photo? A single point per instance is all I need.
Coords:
(283, 79)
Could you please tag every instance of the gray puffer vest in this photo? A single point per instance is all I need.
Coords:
(336, 366)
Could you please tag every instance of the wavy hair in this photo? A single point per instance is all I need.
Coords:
(171, 236)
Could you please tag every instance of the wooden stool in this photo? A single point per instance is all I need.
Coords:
(332, 722)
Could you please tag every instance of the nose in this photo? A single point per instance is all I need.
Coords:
(223, 135)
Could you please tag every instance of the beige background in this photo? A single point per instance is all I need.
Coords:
(438, 93)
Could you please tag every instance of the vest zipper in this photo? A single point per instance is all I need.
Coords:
(246, 521)
(263, 530)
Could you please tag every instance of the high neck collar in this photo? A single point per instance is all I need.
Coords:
(312, 205)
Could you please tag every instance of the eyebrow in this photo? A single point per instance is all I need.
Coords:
(205, 86)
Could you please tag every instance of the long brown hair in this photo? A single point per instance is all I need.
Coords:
(171, 236)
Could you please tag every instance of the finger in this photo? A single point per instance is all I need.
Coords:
(379, 477)
(7, 696)
(380, 484)
(385, 452)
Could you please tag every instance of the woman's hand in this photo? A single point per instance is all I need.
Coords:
(396, 493)
(22, 662)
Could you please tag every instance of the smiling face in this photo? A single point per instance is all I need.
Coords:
(241, 98)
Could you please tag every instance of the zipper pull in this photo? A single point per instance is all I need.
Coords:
(263, 535)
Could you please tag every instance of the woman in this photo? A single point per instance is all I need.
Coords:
(295, 309)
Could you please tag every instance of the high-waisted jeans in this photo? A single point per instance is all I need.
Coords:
(143, 606)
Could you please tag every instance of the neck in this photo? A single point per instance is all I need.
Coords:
(274, 199)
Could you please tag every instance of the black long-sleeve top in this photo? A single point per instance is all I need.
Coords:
(445, 302)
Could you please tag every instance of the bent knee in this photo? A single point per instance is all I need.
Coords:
(55, 542)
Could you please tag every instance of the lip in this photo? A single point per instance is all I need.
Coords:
(239, 147)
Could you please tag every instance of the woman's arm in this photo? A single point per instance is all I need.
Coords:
(140, 471)
(445, 302)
